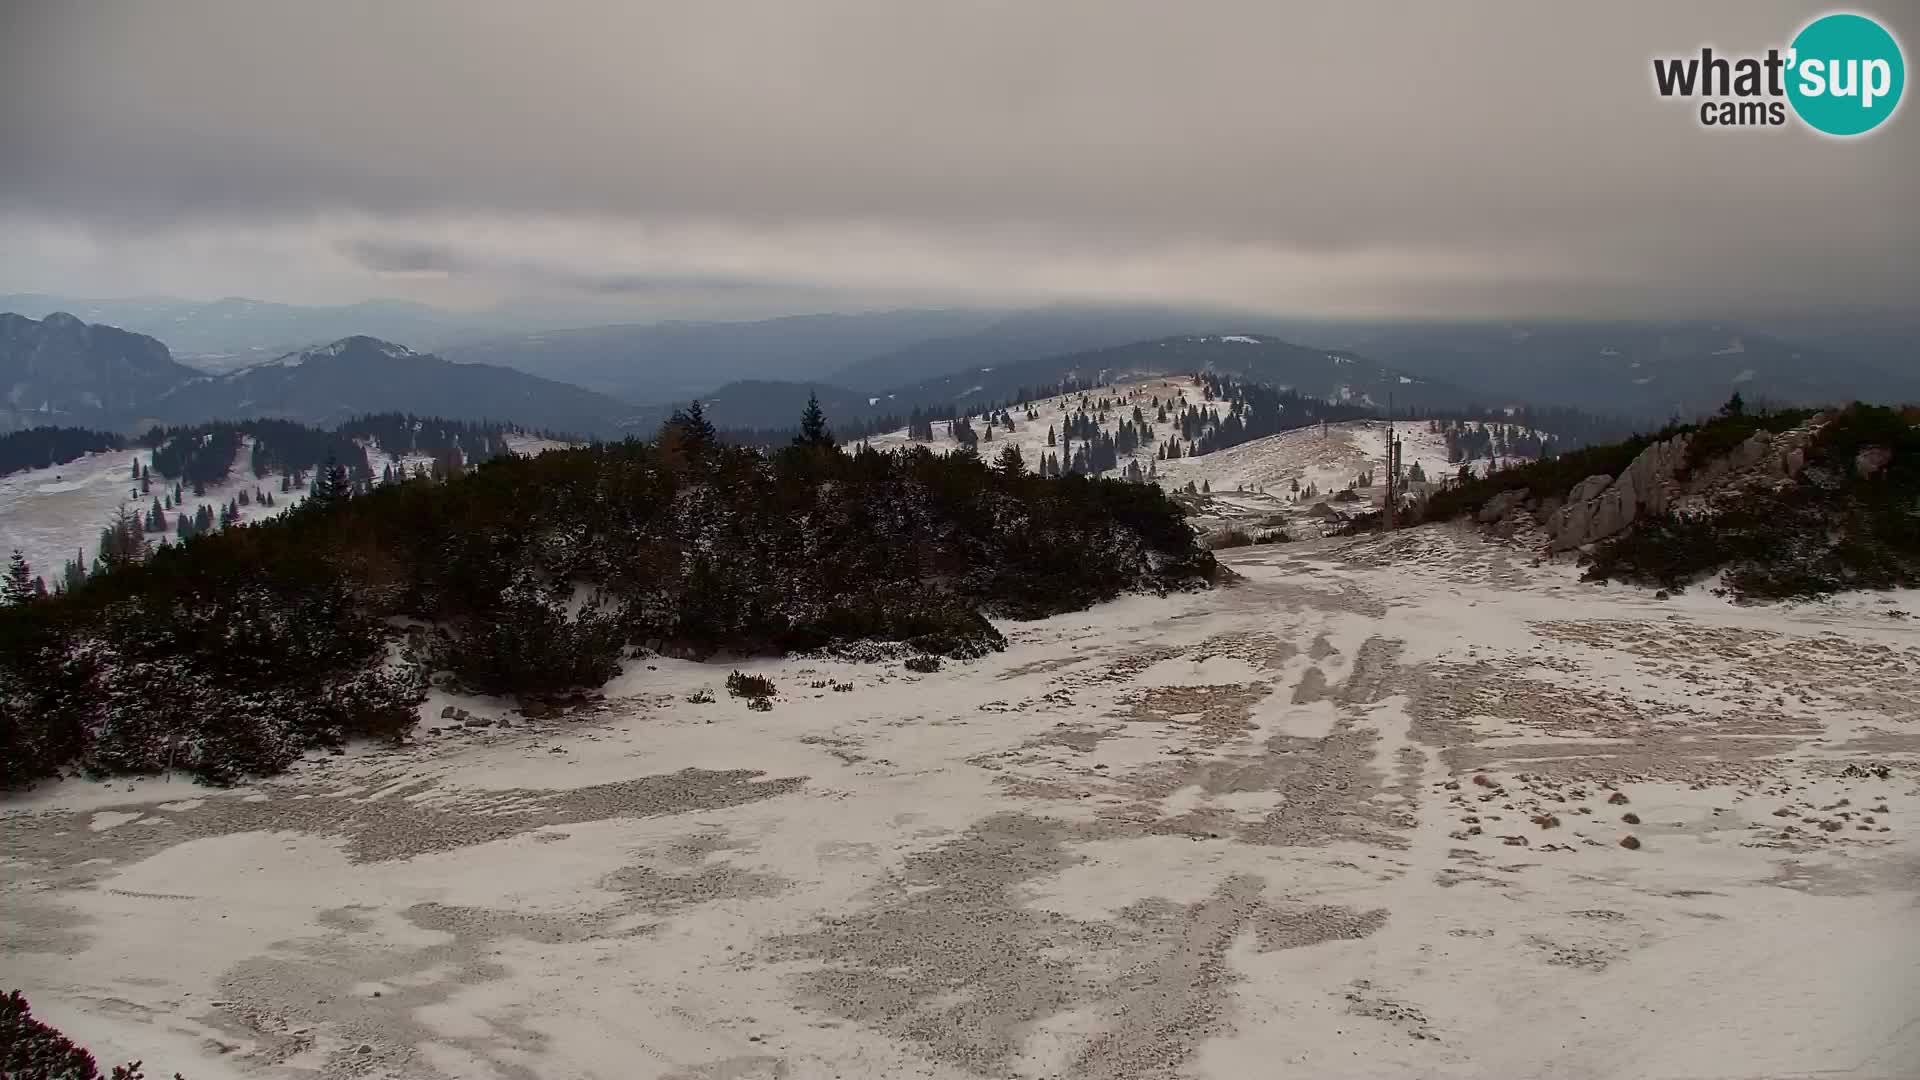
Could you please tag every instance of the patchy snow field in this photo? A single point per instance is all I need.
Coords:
(51, 514)
(1359, 815)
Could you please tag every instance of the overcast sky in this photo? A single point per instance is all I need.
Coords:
(1331, 158)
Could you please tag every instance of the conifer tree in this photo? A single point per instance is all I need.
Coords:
(19, 587)
(1010, 461)
(122, 542)
(813, 426)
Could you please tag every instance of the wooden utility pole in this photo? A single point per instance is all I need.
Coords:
(1386, 515)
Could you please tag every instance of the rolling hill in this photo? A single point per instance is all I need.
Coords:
(359, 375)
(1331, 375)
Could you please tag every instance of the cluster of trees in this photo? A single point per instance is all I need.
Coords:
(409, 435)
(1476, 440)
(1253, 410)
(233, 652)
(199, 456)
(203, 455)
(1566, 427)
(44, 447)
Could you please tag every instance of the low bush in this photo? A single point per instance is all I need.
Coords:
(30, 1050)
(1228, 538)
(752, 687)
(922, 664)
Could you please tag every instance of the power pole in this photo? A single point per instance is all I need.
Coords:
(1393, 448)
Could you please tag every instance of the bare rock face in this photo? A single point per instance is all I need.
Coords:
(1588, 489)
(1602, 506)
(1750, 451)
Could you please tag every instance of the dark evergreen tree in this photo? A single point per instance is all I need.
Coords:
(20, 584)
(813, 426)
(74, 573)
(1011, 462)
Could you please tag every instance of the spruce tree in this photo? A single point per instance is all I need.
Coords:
(19, 587)
(813, 426)
(690, 430)
(1010, 461)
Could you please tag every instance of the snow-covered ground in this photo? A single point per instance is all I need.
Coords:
(52, 514)
(55, 513)
(1360, 815)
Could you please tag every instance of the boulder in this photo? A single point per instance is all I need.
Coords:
(447, 713)
(1498, 507)
(1868, 462)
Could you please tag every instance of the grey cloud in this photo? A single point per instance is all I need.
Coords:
(1473, 155)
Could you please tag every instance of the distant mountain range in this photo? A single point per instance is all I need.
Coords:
(220, 335)
(866, 366)
(675, 361)
(62, 371)
(1022, 336)
(1646, 371)
(1329, 374)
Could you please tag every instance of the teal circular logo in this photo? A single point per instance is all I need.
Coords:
(1845, 74)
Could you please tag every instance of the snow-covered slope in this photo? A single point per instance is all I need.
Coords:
(1363, 815)
(54, 513)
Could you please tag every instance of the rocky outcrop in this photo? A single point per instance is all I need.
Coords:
(1602, 506)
